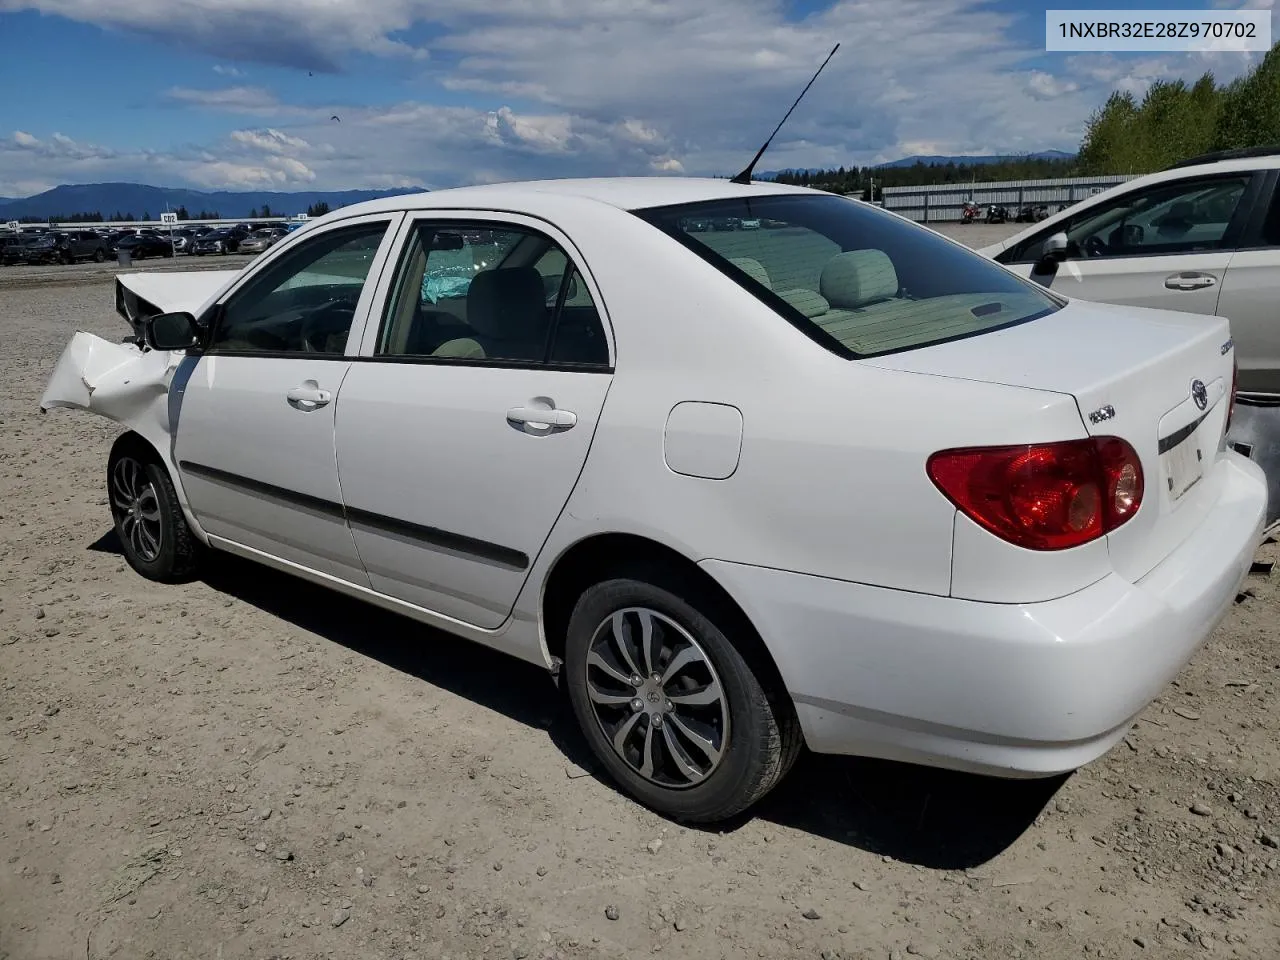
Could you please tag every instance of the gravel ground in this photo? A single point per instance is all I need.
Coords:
(248, 767)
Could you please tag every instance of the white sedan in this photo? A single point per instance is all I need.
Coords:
(840, 482)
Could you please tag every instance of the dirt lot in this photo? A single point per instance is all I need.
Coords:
(247, 767)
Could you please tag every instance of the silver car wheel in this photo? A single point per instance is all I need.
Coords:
(657, 698)
(136, 504)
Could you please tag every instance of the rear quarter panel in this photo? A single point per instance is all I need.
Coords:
(831, 479)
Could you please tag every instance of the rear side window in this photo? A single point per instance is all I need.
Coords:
(1271, 227)
(858, 280)
(484, 293)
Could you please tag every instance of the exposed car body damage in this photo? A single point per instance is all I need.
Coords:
(126, 381)
(142, 295)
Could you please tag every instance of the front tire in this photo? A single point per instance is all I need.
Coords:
(678, 715)
(148, 518)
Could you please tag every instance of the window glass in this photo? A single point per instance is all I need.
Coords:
(850, 275)
(303, 302)
(1271, 226)
(1181, 217)
(484, 293)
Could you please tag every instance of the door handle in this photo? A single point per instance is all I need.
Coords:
(1190, 281)
(308, 396)
(541, 420)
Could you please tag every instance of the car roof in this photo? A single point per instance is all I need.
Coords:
(625, 193)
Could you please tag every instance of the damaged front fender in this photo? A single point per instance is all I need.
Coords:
(122, 381)
(137, 387)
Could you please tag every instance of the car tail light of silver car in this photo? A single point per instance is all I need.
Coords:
(1048, 496)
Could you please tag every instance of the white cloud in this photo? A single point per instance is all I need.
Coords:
(313, 34)
(226, 71)
(250, 161)
(269, 141)
(1045, 86)
(250, 100)
(578, 87)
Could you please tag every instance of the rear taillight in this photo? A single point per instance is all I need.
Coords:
(1235, 380)
(1047, 496)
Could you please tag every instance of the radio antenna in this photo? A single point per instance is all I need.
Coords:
(745, 175)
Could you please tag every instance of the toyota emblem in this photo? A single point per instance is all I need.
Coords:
(1199, 394)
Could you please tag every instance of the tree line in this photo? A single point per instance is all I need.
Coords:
(858, 180)
(1173, 121)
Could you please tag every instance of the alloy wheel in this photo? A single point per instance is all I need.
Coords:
(657, 698)
(137, 506)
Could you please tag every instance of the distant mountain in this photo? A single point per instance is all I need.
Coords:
(139, 199)
(979, 160)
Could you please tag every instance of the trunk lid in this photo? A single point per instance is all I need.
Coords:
(1133, 373)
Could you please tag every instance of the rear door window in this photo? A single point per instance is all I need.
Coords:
(485, 293)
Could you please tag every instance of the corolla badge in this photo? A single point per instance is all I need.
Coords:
(1199, 393)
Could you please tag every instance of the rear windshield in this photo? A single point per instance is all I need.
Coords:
(854, 278)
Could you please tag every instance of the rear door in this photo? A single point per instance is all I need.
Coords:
(1250, 297)
(463, 427)
(1165, 245)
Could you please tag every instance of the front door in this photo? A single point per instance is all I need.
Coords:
(462, 432)
(254, 437)
(1165, 245)
(1189, 282)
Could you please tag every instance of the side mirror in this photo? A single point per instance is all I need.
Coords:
(1052, 253)
(171, 331)
(1055, 248)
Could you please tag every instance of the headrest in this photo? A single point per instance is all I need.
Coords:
(507, 304)
(1179, 214)
(858, 277)
(754, 269)
(810, 304)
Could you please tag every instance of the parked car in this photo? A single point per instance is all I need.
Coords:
(9, 241)
(261, 240)
(848, 485)
(14, 249)
(144, 245)
(219, 241)
(195, 234)
(1202, 237)
(181, 238)
(43, 248)
(114, 238)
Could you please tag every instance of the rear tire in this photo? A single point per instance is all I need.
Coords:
(699, 740)
(153, 532)
(99, 255)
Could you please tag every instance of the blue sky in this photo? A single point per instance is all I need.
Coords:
(239, 94)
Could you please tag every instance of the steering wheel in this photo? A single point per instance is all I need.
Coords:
(1094, 246)
(324, 321)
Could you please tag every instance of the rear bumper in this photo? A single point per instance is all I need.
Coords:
(1017, 690)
